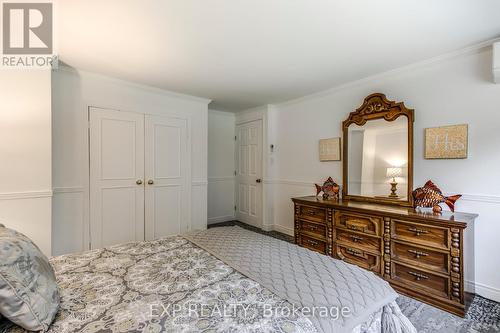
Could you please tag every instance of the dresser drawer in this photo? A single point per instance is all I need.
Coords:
(420, 256)
(359, 257)
(420, 234)
(315, 214)
(358, 240)
(415, 278)
(317, 229)
(370, 225)
(313, 244)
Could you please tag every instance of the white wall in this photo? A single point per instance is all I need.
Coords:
(72, 92)
(455, 90)
(25, 150)
(221, 166)
(496, 62)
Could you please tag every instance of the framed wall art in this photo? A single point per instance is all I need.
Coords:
(329, 149)
(447, 142)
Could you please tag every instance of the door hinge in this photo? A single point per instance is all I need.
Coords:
(235, 208)
(235, 138)
(235, 173)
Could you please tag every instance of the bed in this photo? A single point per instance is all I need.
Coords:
(224, 279)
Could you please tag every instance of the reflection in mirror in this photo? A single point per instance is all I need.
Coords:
(378, 159)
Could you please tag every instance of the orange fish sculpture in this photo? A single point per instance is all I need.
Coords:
(330, 189)
(431, 196)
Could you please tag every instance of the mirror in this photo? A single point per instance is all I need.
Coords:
(378, 153)
(378, 142)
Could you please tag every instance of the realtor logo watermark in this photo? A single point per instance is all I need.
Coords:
(27, 34)
(201, 310)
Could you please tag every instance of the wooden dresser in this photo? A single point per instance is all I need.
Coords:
(422, 255)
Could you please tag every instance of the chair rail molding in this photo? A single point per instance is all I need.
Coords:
(199, 182)
(221, 179)
(485, 198)
(68, 189)
(26, 195)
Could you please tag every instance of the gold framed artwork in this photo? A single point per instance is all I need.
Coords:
(447, 142)
(329, 149)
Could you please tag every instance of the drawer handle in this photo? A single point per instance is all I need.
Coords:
(356, 239)
(418, 276)
(312, 228)
(418, 254)
(418, 231)
(313, 243)
(354, 252)
(355, 228)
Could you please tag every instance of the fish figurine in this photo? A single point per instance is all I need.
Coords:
(330, 189)
(431, 196)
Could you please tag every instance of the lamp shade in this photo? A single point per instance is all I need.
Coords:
(394, 172)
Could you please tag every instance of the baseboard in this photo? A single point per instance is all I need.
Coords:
(484, 290)
(470, 287)
(268, 227)
(220, 219)
(284, 230)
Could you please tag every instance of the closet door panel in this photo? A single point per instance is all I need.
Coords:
(116, 177)
(119, 215)
(167, 211)
(167, 175)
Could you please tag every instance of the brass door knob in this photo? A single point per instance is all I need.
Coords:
(139, 182)
(150, 182)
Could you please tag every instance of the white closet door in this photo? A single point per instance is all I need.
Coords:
(249, 173)
(116, 177)
(167, 177)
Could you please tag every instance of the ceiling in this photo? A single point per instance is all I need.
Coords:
(246, 53)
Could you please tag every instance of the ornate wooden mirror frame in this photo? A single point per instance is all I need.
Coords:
(377, 106)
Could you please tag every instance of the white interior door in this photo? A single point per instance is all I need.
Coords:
(249, 173)
(167, 177)
(116, 177)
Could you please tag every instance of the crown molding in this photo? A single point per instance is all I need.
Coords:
(228, 114)
(66, 68)
(474, 49)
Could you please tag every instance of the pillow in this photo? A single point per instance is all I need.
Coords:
(28, 290)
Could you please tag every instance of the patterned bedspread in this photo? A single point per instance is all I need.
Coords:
(168, 285)
(323, 286)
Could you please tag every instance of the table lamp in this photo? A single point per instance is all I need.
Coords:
(393, 173)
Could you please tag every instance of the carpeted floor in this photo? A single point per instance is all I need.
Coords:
(483, 315)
